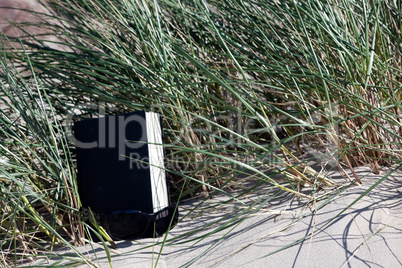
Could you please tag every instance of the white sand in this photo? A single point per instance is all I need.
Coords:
(368, 234)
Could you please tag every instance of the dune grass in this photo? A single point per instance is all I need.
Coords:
(248, 90)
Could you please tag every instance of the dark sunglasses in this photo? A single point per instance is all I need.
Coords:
(132, 224)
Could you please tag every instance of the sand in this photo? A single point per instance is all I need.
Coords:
(284, 233)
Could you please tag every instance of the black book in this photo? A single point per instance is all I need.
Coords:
(120, 162)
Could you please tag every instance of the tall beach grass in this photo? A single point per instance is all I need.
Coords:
(275, 93)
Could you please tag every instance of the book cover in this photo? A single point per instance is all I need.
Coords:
(120, 163)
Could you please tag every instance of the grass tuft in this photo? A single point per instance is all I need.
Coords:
(251, 93)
